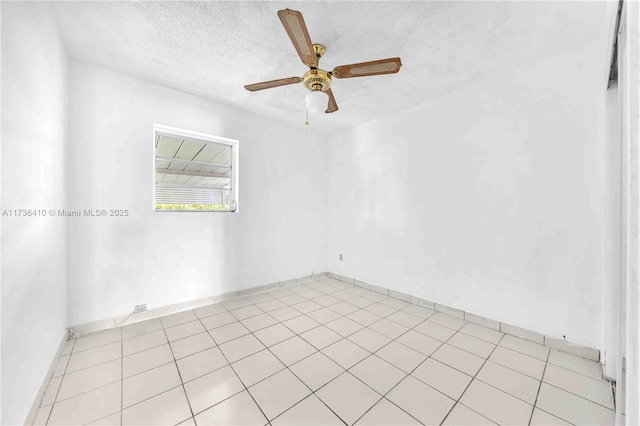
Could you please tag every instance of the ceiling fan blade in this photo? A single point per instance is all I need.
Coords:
(332, 106)
(272, 83)
(362, 69)
(293, 23)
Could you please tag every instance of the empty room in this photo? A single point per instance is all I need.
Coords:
(320, 213)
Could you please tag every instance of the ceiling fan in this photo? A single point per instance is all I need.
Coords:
(318, 80)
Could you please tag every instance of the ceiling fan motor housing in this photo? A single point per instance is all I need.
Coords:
(317, 79)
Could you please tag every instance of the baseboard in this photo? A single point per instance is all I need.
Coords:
(126, 319)
(549, 341)
(45, 382)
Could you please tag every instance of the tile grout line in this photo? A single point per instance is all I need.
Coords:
(179, 375)
(411, 372)
(548, 362)
(502, 390)
(304, 399)
(234, 372)
(122, 356)
(496, 345)
(469, 384)
(214, 340)
(288, 367)
(513, 369)
(186, 395)
(95, 365)
(143, 400)
(240, 359)
(579, 396)
(82, 337)
(90, 390)
(462, 330)
(58, 391)
(603, 379)
(554, 415)
(539, 380)
(383, 346)
(535, 402)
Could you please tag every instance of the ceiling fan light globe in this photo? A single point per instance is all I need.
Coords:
(316, 101)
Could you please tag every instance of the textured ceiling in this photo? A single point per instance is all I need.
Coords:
(214, 48)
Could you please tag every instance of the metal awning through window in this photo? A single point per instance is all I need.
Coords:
(192, 174)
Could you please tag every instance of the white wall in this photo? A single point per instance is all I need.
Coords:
(34, 249)
(489, 199)
(161, 258)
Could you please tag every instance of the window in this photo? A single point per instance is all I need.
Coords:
(194, 171)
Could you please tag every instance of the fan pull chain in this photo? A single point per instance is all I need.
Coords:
(307, 122)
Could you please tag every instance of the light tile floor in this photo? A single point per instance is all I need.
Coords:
(319, 353)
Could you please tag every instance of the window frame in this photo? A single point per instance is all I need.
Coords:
(160, 129)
